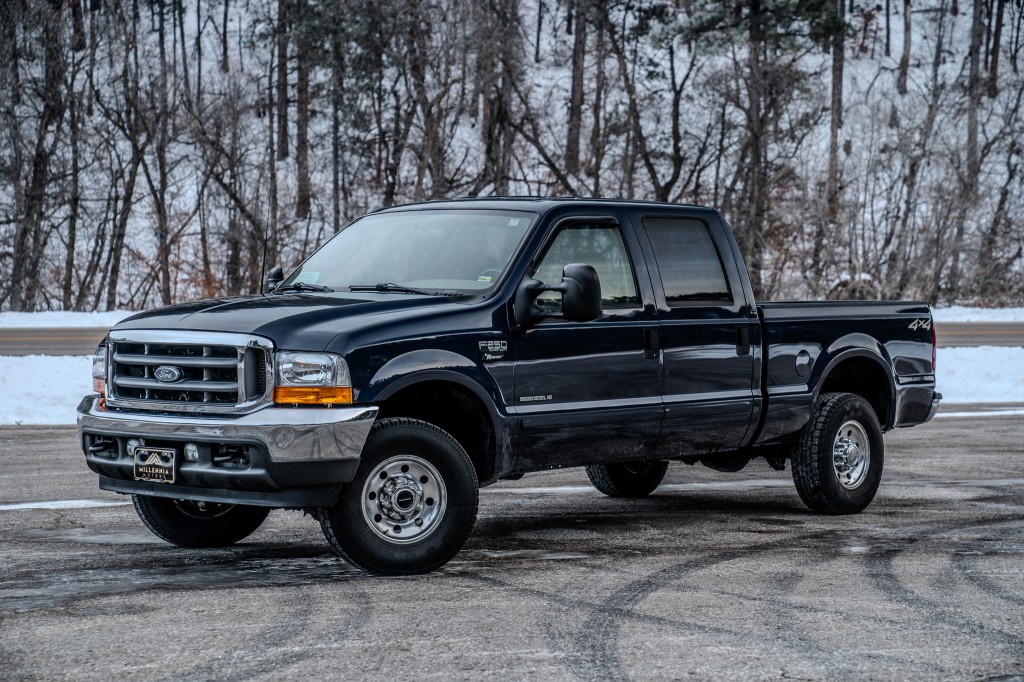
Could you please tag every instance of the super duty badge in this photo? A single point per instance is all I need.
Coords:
(491, 351)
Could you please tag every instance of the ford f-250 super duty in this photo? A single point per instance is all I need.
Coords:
(431, 349)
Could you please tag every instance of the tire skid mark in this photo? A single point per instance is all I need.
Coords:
(984, 582)
(269, 644)
(598, 635)
(885, 577)
(61, 589)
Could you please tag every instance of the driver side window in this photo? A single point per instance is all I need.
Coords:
(600, 246)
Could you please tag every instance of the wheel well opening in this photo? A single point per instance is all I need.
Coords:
(866, 378)
(454, 409)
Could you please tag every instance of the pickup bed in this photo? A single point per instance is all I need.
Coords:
(431, 349)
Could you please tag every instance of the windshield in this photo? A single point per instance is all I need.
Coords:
(435, 251)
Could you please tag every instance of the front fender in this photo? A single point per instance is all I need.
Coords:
(428, 365)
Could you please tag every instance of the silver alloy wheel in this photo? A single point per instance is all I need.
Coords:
(851, 454)
(404, 499)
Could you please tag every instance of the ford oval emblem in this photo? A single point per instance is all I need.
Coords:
(168, 375)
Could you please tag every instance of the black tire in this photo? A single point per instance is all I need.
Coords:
(827, 472)
(412, 477)
(632, 479)
(198, 524)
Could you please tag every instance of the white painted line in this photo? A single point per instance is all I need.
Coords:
(990, 413)
(62, 504)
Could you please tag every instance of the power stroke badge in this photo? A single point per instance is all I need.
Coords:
(492, 351)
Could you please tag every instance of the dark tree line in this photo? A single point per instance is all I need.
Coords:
(158, 150)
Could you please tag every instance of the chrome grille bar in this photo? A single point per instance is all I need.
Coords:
(203, 372)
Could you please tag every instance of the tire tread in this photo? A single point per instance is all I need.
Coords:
(806, 460)
(614, 481)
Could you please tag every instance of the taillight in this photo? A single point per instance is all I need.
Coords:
(934, 344)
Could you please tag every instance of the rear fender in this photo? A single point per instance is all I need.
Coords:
(847, 348)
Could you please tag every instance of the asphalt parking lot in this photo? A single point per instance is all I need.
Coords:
(716, 576)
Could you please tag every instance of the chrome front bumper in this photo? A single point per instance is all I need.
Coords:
(288, 434)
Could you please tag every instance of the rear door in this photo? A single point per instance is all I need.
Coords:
(588, 392)
(709, 335)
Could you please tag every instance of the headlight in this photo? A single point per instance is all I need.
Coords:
(311, 379)
(99, 370)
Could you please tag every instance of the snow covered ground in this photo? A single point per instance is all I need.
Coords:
(60, 319)
(964, 314)
(38, 389)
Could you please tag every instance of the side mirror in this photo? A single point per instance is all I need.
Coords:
(274, 277)
(581, 295)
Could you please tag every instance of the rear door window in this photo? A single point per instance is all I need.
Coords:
(691, 269)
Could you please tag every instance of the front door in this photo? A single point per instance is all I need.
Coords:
(589, 392)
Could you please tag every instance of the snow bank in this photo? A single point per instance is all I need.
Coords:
(39, 389)
(43, 389)
(987, 374)
(961, 313)
(57, 318)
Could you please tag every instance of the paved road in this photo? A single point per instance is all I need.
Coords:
(84, 341)
(717, 576)
(51, 341)
(980, 334)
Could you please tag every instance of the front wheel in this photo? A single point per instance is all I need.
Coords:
(837, 465)
(188, 523)
(411, 505)
(632, 479)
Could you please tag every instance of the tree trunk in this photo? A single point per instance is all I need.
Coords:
(337, 85)
(974, 95)
(74, 204)
(302, 194)
(969, 185)
(579, 45)
(838, 49)
(224, 38)
(282, 79)
(993, 65)
(901, 80)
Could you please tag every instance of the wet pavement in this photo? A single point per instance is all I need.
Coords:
(714, 576)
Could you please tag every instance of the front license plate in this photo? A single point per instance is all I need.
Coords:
(155, 465)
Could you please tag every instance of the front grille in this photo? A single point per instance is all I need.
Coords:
(187, 371)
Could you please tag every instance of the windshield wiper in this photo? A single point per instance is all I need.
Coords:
(390, 287)
(302, 286)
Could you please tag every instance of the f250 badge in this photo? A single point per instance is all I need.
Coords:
(491, 351)
(921, 324)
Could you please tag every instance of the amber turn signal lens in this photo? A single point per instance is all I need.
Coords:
(313, 395)
(99, 386)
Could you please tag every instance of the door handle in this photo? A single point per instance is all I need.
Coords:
(743, 340)
(652, 344)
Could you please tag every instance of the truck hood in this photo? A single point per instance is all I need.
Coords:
(299, 321)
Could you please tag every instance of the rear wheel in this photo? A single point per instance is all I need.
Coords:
(632, 479)
(837, 465)
(411, 505)
(189, 523)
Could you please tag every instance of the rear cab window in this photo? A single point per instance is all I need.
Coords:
(690, 265)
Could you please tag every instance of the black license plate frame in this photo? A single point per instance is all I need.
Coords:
(155, 465)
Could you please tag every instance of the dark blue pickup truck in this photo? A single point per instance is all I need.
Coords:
(431, 349)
